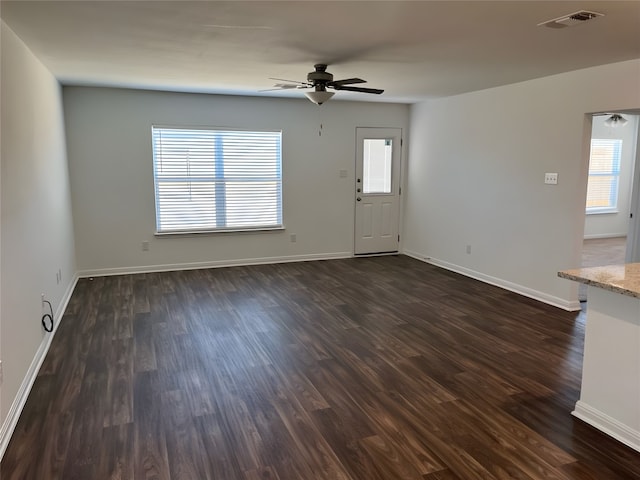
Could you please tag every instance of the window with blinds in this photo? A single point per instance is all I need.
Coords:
(210, 180)
(604, 175)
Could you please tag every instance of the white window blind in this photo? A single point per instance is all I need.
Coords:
(208, 180)
(604, 175)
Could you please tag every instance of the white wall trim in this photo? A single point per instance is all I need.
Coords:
(607, 424)
(498, 282)
(605, 235)
(212, 264)
(11, 420)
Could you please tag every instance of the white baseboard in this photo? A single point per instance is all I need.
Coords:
(604, 235)
(498, 282)
(11, 420)
(612, 427)
(101, 272)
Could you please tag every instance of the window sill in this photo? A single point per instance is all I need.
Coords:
(602, 211)
(230, 231)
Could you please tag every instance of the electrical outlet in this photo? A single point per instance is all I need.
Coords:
(469, 249)
(145, 246)
(293, 238)
(551, 178)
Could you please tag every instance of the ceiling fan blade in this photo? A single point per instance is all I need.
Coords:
(272, 89)
(282, 86)
(346, 81)
(289, 81)
(287, 86)
(377, 91)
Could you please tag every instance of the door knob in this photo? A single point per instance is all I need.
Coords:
(358, 199)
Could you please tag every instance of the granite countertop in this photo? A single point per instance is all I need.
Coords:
(624, 279)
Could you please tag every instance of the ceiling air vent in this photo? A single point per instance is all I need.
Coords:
(572, 19)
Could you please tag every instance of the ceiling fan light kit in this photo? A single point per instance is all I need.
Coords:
(319, 96)
(320, 80)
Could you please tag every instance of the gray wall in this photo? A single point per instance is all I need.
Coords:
(37, 232)
(475, 177)
(111, 168)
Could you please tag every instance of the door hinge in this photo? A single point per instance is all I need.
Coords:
(398, 237)
(631, 215)
(401, 141)
(400, 191)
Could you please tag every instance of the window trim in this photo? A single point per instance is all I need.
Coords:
(602, 210)
(222, 230)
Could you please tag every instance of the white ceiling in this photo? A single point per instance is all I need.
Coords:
(414, 50)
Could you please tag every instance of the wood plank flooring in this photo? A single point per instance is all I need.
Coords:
(358, 369)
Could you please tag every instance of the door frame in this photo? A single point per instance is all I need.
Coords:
(632, 253)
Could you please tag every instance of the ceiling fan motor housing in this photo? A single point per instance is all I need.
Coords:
(320, 76)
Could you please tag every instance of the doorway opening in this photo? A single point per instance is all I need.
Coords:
(611, 232)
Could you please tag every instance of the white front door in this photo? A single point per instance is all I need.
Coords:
(377, 190)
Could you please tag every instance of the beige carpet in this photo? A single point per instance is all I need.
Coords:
(603, 251)
(597, 252)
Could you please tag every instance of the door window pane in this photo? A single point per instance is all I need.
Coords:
(376, 165)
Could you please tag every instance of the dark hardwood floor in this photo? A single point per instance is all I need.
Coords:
(359, 369)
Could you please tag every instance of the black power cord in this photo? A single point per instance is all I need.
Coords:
(47, 318)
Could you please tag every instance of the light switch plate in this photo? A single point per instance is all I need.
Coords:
(551, 178)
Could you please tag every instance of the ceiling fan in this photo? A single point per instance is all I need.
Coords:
(320, 80)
